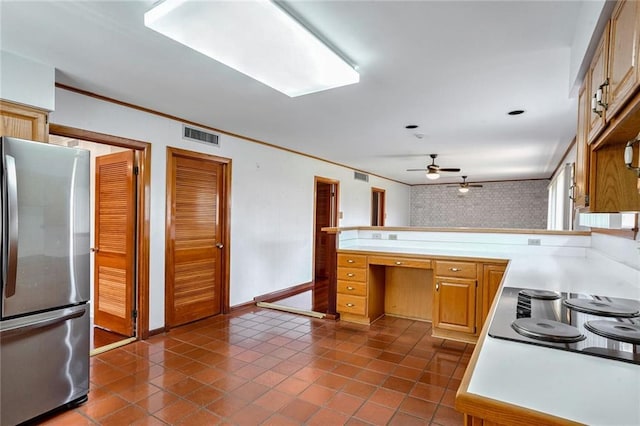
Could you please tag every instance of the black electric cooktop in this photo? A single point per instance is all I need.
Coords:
(593, 325)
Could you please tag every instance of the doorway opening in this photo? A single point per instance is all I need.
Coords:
(325, 215)
(119, 235)
(377, 207)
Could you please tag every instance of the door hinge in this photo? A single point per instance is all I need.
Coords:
(586, 200)
(476, 283)
(134, 314)
(136, 170)
(474, 329)
(46, 119)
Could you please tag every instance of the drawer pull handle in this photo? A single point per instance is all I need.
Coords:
(351, 274)
(437, 286)
(455, 269)
(351, 261)
(398, 263)
(351, 305)
(350, 288)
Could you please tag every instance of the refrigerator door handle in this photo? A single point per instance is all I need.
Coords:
(12, 228)
(21, 329)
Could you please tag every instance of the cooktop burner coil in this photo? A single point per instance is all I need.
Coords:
(604, 307)
(547, 330)
(629, 333)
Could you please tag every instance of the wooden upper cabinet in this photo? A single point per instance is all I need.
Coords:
(581, 175)
(23, 122)
(623, 54)
(596, 79)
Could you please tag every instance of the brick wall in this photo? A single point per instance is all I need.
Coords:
(517, 204)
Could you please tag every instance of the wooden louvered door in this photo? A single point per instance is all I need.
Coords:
(114, 242)
(194, 241)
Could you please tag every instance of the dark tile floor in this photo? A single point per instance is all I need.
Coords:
(268, 367)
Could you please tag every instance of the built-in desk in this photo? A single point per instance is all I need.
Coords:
(449, 292)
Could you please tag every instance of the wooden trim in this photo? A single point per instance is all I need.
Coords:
(143, 150)
(225, 226)
(479, 181)
(460, 230)
(247, 305)
(156, 331)
(213, 129)
(563, 158)
(274, 296)
(622, 233)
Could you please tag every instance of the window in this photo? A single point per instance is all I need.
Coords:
(560, 205)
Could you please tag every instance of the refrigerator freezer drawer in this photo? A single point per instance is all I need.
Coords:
(44, 362)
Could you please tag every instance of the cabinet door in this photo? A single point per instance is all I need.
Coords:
(623, 54)
(581, 188)
(23, 122)
(491, 279)
(596, 77)
(455, 304)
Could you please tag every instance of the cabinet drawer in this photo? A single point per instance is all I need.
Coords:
(352, 288)
(456, 269)
(351, 304)
(399, 261)
(352, 274)
(352, 260)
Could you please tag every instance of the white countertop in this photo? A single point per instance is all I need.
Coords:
(578, 387)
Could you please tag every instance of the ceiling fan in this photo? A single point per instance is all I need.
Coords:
(464, 185)
(433, 170)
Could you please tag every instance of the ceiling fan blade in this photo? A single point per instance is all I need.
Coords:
(417, 170)
(475, 186)
(453, 186)
(445, 169)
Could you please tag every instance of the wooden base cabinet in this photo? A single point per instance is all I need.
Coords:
(23, 122)
(352, 291)
(455, 304)
(491, 280)
(455, 301)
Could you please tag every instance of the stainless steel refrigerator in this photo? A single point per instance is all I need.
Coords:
(44, 310)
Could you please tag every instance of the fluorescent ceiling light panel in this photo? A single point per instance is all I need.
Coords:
(258, 39)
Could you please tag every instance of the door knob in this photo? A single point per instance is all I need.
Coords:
(94, 249)
(219, 245)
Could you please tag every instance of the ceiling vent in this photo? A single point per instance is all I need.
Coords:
(361, 176)
(198, 135)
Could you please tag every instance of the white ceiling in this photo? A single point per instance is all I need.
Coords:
(454, 68)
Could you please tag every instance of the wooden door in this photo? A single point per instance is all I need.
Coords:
(455, 304)
(194, 241)
(23, 122)
(114, 242)
(623, 54)
(596, 77)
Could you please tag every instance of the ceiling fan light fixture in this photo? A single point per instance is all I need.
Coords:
(257, 38)
(463, 189)
(432, 175)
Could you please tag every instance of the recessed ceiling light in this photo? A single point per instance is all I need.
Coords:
(516, 112)
(411, 126)
(257, 38)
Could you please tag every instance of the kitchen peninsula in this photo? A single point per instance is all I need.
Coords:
(507, 382)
